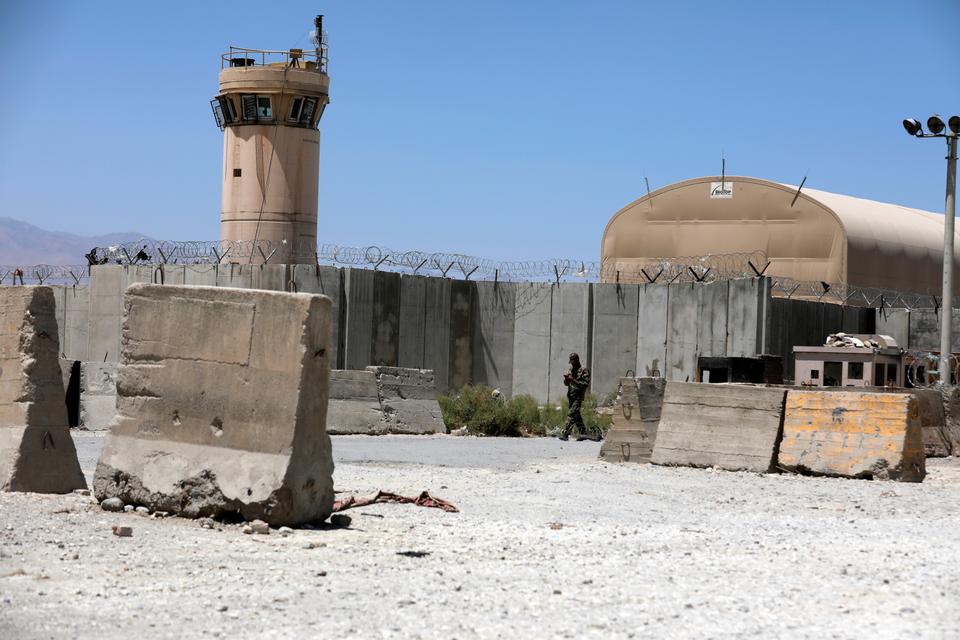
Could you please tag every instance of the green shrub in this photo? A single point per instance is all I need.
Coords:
(484, 413)
(593, 420)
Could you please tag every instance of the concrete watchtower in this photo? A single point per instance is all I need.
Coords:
(269, 109)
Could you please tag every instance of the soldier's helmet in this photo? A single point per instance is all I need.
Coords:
(574, 357)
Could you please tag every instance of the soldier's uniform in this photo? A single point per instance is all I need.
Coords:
(577, 386)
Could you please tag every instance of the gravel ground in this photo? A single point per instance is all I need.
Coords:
(549, 543)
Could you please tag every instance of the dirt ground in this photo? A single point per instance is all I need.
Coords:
(549, 543)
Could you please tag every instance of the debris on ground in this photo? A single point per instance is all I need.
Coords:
(340, 521)
(422, 500)
(257, 526)
(112, 504)
(122, 531)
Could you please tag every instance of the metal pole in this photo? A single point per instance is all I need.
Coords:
(946, 317)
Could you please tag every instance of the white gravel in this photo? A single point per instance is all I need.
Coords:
(636, 551)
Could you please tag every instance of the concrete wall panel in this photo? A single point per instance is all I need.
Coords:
(683, 318)
(494, 312)
(201, 275)
(614, 349)
(531, 340)
(746, 316)
(652, 330)
(436, 347)
(238, 276)
(896, 324)
(570, 326)
(386, 319)
(712, 323)
(271, 277)
(76, 323)
(358, 291)
(413, 321)
(107, 284)
(461, 334)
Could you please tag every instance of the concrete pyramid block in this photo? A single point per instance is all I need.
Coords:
(221, 405)
(636, 416)
(36, 450)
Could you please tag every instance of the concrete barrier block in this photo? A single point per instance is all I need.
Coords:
(98, 395)
(636, 415)
(221, 405)
(354, 403)
(36, 451)
(408, 398)
(933, 423)
(951, 410)
(853, 434)
(733, 427)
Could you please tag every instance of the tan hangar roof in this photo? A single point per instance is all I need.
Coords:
(822, 236)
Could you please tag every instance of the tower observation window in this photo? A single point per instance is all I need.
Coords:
(229, 111)
(295, 108)
(264, 108)
(248, 104)
(306, 114)
(256, 108)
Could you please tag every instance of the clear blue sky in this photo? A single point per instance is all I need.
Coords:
(504, 129)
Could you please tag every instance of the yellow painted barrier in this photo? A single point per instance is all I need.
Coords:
(856, 434)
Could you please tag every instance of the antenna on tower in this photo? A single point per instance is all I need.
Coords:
(318, 32)
(320, 42)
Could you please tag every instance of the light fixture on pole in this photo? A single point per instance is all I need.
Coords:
(937, 129)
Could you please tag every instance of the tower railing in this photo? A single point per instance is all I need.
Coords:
(241, 57)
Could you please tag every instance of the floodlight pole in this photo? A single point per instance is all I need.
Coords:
(949, 210)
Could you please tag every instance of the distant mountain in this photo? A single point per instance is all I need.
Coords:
(23, 244)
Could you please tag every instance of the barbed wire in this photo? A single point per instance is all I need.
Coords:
(43, 274)
(922, 368)
(669, 269)
(666, 270)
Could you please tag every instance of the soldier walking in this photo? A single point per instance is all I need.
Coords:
(577, 381)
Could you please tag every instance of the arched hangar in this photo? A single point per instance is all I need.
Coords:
(813, 236)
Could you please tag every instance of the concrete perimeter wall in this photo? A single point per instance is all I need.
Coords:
(917, 328)
(511, 336)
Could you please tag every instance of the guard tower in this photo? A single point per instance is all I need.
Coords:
(269, 109)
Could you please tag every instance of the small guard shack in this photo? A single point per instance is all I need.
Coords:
(848, 360)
